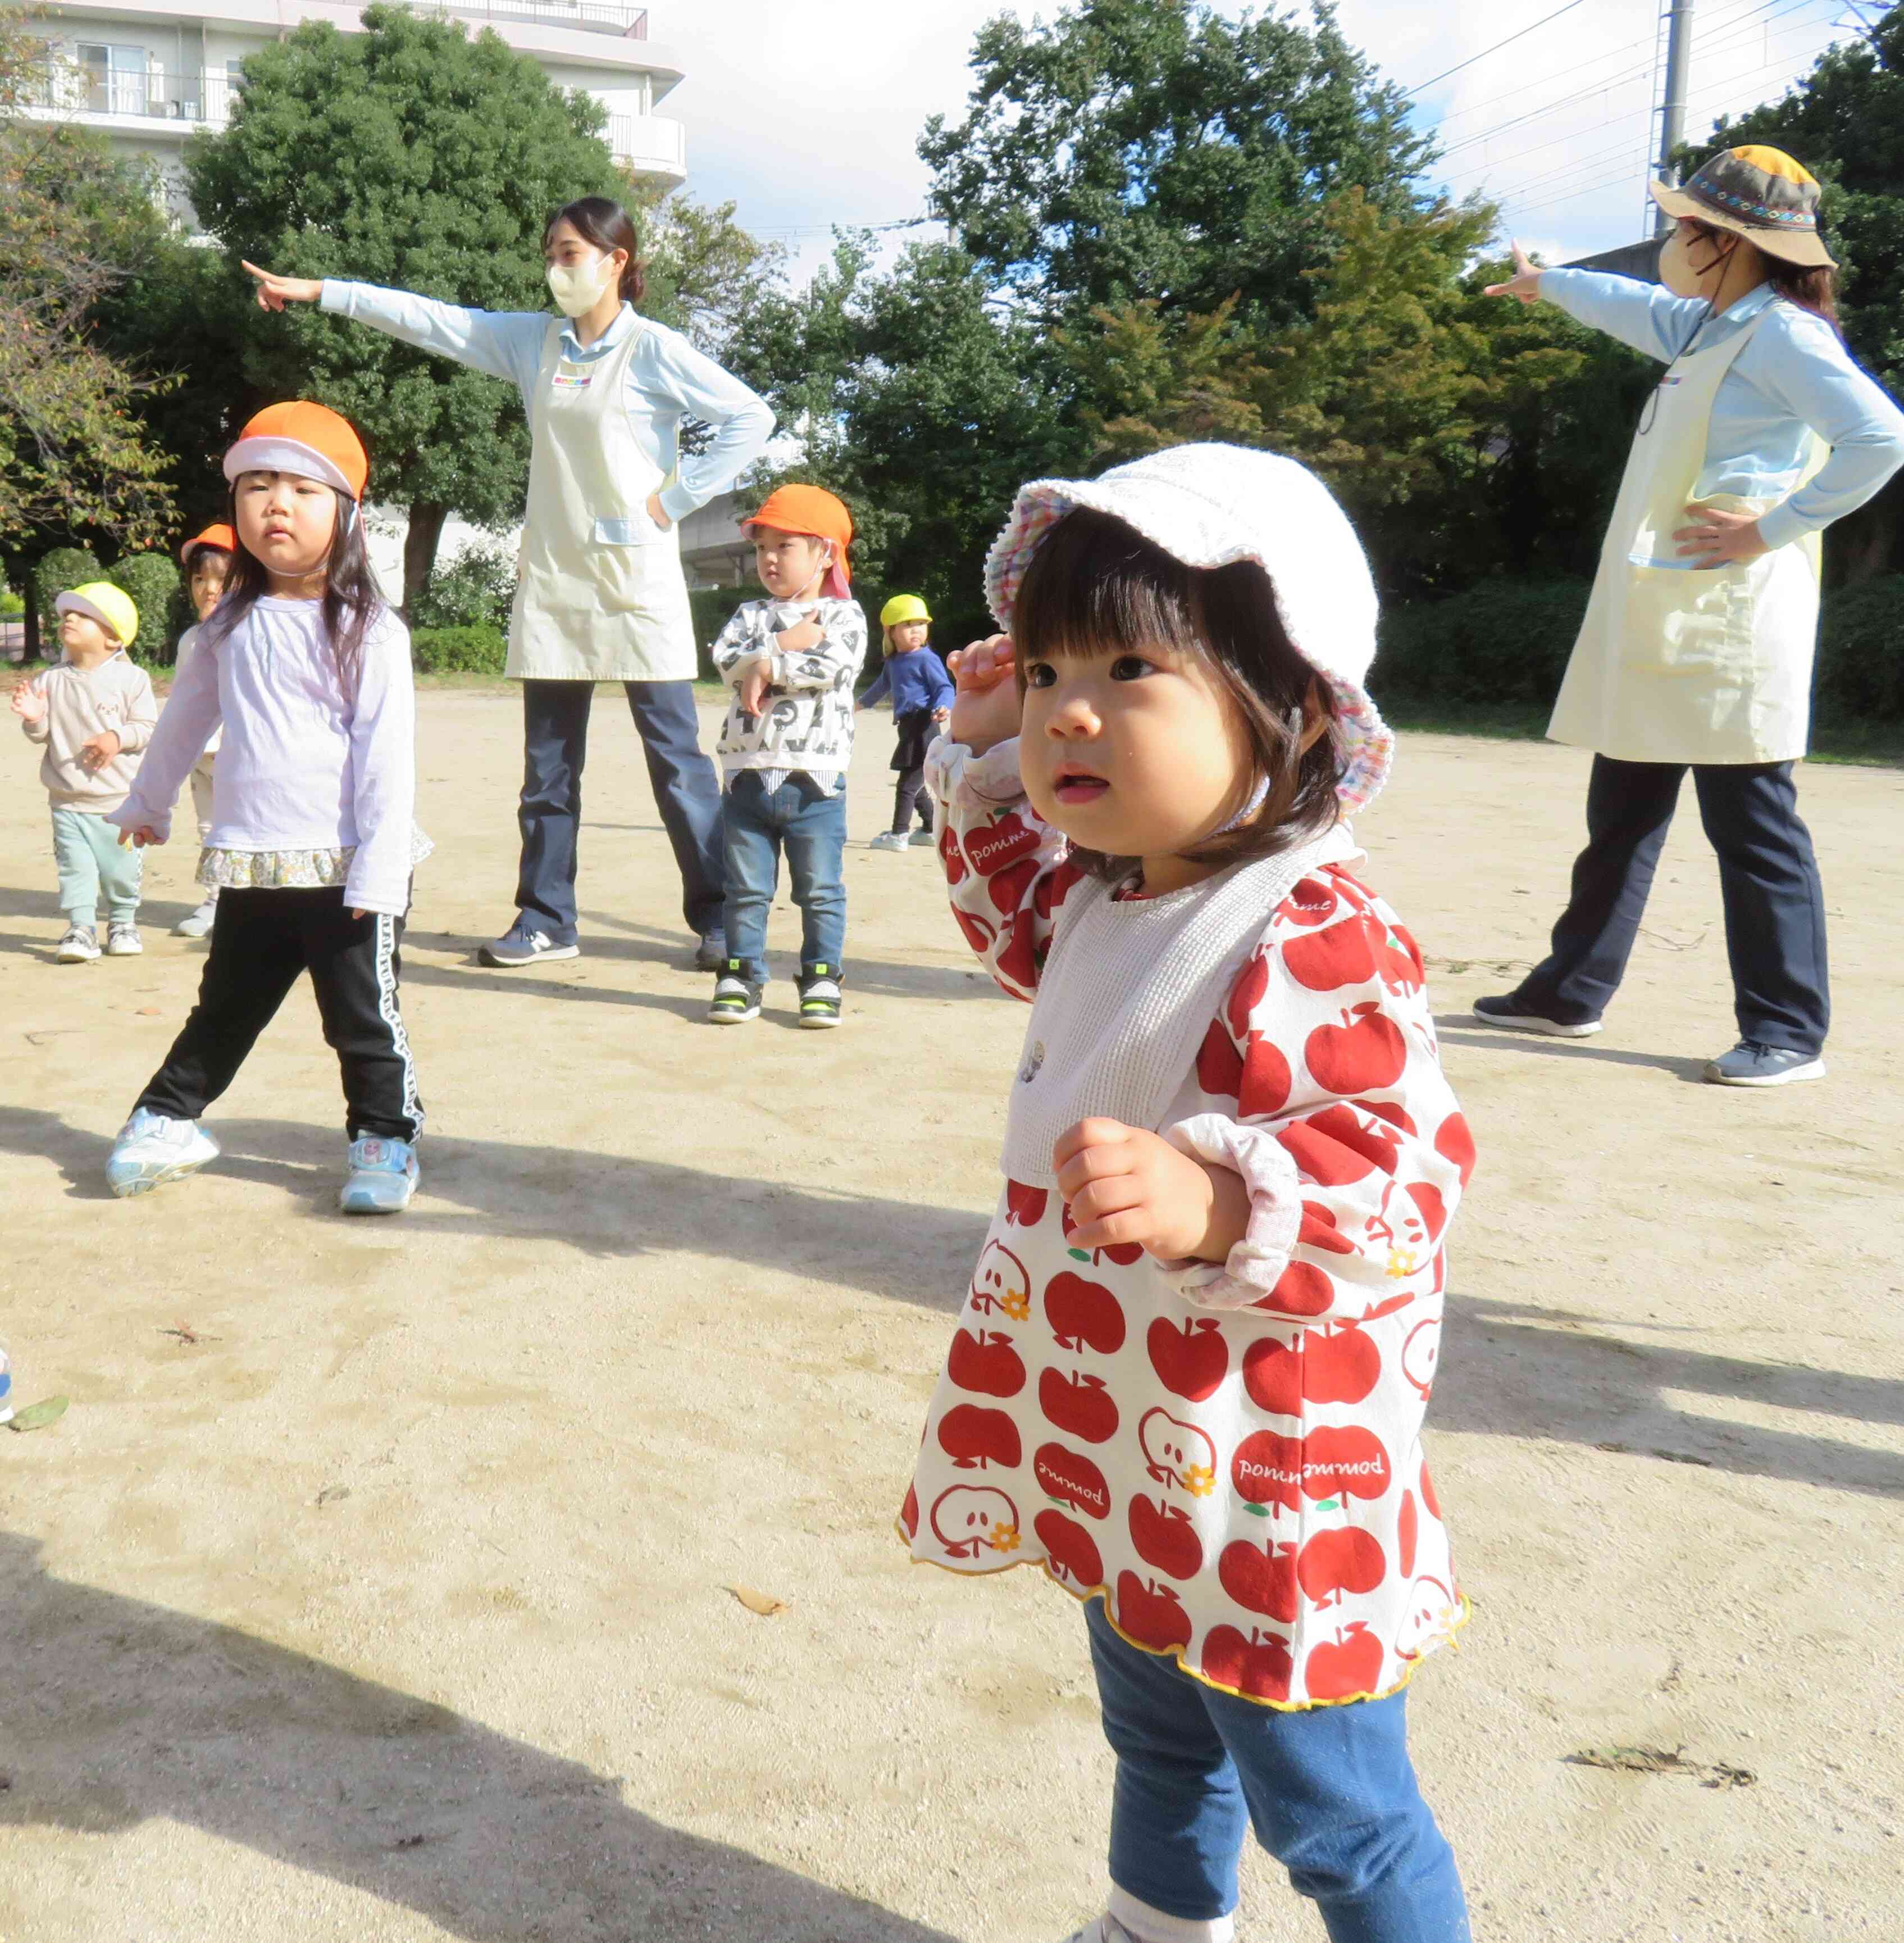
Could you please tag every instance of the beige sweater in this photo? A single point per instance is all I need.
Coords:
(80, 702)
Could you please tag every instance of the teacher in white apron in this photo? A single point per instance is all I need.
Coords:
(1696, 648)
(599, 596)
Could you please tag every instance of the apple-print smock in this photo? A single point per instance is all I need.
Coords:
(1229, 1454)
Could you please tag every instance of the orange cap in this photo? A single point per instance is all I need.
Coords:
(311, 440)
(811, 509)
(220, 536)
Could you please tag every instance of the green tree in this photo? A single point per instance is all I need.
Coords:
(1135, 149)
(410, 155)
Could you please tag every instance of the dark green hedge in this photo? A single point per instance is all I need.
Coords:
(458, 650)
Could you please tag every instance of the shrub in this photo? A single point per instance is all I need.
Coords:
(53, 573)
(10, 603)
(154, 583)
(475, 590)
(458, 650)
(1861, 654)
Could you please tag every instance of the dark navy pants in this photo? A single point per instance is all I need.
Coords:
(687, 792)
(1768, 881)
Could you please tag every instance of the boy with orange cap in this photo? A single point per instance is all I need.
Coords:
(792, 661)
(206, 557)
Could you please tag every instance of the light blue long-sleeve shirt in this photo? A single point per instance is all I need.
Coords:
(1796, 374)
(668, 378)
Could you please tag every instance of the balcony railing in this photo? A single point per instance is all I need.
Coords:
(157, 94)
(597, 16)
(650, 143)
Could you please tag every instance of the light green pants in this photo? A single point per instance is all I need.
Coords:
(93, 868)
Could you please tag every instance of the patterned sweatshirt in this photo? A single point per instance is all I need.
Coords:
(807, 721)
(1230, 1453)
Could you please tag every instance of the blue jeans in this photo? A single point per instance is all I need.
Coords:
(687, 792)
(809, 822)
(1330, 1790)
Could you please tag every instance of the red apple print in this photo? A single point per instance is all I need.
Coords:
(1325, 1162)
(1429, 1604)
(1165, 1538)
(1319, 1230)
(1272, 1374)
(1421, 1355)
(1009, 888)
(1004, 841)
(1024, 1206)
(1407, 1528)
(979, 934)
(1258, 1665)
(909, 1512)
(986, 1362)
(1247, 994)
(1362, 1133)
(1071, 1477)
(1261, 1578)
(1434, 1210)
(971, 1520)
(1267, 1469)
(1312, 902)
(973, 1436)
(1124, 1254)
(1191, 1361)
(1428, 1494)
(1151, 1615)
(950, 856)
(1266, 1081)
(1345, 1461)
(1454, 1142)
(999, 1283)
(1219, 1066)
(1364, 1054)
(1018, 960)
(1389, 1110)
(1348, 1666)
(1079, 1405)
(1302, 1289)
(1069, 1547)
(1399, 958)
(1340, 1365)
(1346, 1560)
(1055, 886)
(1177, 1456)
(1338, 955)
(1084, 1315)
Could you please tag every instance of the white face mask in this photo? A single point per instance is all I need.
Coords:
(579, 287)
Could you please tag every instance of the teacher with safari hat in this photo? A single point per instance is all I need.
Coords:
(600, 595)
(1696, 650)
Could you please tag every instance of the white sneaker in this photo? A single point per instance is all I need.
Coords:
(887, 839)
(198, 923)
(122, 939)
(152, 1150)
(80, 946)
(383, 1178)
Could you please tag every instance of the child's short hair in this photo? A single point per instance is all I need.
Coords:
(1095, 584)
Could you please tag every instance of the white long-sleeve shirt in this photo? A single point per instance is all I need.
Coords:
(301, 767)
(668, 378)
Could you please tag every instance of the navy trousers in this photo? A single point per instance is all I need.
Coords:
(1774, 903)
(687, 791)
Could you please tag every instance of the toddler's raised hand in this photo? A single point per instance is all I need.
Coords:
(986, 706)
(28, 702)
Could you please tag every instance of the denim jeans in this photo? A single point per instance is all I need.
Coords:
(808, 821)
(687, 792)
(95, 868)
(1330, 1790)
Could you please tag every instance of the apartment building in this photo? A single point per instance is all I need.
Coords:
(147, 72)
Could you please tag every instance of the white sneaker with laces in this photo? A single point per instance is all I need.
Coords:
(122, 939)
(887, 839)
(198, 923)
(79, 947)
(152, 1150)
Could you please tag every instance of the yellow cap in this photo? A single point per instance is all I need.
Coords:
(112, 607)
(1775, 162)
(902, 608)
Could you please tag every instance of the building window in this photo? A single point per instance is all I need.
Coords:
(115, 77)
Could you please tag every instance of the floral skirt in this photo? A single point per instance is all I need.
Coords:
(289, 869)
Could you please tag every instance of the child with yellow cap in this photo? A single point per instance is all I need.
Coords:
(921, 692)
(93, 712)
(791, 660)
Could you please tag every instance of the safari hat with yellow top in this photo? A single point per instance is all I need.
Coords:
(111, 606)
(1760, 194)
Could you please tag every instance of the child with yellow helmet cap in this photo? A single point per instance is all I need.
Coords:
(312, 842)
(921, 692)
(93, 712)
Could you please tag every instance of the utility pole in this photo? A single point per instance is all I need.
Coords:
(1672, 110)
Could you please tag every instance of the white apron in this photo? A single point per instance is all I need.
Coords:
(1675, 664)
(600, 596)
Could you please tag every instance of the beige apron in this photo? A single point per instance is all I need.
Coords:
(1675, 664)
(600, 595)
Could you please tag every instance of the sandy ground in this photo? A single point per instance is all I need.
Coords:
(376, 1585)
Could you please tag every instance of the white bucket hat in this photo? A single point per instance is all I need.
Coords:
(1211, 505)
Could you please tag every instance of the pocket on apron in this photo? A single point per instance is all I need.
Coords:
(621, 560)
(1690, 622)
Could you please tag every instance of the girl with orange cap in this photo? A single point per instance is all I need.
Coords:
(601, 596)
(206, 557)
(792, 661)
(312, 842)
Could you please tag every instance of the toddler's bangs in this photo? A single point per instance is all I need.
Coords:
(1096, 586)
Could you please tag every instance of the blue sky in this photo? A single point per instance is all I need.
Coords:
(805, 112)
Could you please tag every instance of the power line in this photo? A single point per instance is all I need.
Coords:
(1460, 66)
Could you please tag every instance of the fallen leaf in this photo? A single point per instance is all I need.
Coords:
(148, 1011)
(765, 1603)
(183, 1331)
(1664, 1760)
(38, 1416)
(331, 1494)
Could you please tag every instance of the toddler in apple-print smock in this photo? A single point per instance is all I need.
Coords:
(1226, 1454)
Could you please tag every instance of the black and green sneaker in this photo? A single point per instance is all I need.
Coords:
(736, 999)
(820, 996)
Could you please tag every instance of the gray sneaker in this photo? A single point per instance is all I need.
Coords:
(122, 939)
(198, 923)
(1749, 1064)
(80, 946)
(521, 944)
(1514, 1010)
